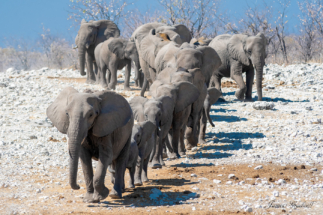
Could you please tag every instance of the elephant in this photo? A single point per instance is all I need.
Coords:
(88, 37)
(212, 96)
(241, 53)
(142, 144)
(115, 54)
(149, 39)
(98, 126)
(182, 94)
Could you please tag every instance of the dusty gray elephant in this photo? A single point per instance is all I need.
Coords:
(212, 96)
(112, 55)
(88, 37)
(241, 53)
(194, 76)
(182, 94)
(149, 39)
(98, 126)
(142, 144)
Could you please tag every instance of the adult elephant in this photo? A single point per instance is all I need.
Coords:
(88, 37)
(112, 55)
(188, 57)
(98, 126)
(241, 53)
(149, 39)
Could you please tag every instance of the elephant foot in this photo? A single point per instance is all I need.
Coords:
(90, 81)
(127, 88)
(102, 194)
(112, 86)
(190, 143)
(182, 154)
(105, 86)
(240, 94)
(131, 186)
(165, 155)
(155, 164)
(88, 198)
(248, 100)
(162, 162)
(173, 155)
(144, 178)
(202, 142)
(115, 195)
(138, 183)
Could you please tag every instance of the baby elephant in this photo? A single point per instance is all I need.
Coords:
(142, 144)
(112, 55)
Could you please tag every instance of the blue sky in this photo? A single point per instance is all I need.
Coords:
(24, 18)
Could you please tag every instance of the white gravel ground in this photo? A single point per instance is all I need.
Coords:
(290, 132)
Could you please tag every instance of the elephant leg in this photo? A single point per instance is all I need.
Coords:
(144, 174)
(105, 159)
(236, 75)
(155, 162)
(175, 141)
(102, 77)
(191, 139)
(139, 165)
(181, 147)
(89, 66)
(168, 140)
(161, 161)
(132, 175)
(86, 161)
(250, 74)
(121, 163)
(141, 79)
(203, 122)
(113, 80)
(144, 86)
(127, 76)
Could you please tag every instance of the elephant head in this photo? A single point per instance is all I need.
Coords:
(79, 114)
(250, 50)
(91, 34)
(126, 50)
(142, 132)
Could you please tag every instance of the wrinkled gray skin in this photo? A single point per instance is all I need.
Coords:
(212, 96)
(159, 112)
(241, 53)
(88, 37)
(149, 39)
(187, 57)
(182, 94)
(98, 126)
(194, 76)
(142, 144)
(112, 55)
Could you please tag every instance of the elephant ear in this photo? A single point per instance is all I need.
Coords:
(187, 93)
(167, 109)
(213, 94)
(116, 46)
(147, 48)
(236, 49)
(137, 106)
(56, 112)
(148, 129)
(107, 28)
(115, 113)
(184, 33)
(211, 61)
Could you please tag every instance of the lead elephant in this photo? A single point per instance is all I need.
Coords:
(241, 53)
(98, 126)
(112, 55)
(88, 37)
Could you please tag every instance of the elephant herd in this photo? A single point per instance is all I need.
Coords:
(184, 79)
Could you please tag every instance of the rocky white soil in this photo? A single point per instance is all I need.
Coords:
(249, 138)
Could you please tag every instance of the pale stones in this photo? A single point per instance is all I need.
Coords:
(216, 181)
(281, 181)
(231, 176)
(276, 194)
(261, 105)
(258, 167)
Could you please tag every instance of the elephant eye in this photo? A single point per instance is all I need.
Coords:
(249, 51)
(97, 113)
(91, 115)
(66, 114)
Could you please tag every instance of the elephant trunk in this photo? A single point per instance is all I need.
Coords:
(81, 54)
(137, 68)
(76, 137)
(207, 109)
(259, 72)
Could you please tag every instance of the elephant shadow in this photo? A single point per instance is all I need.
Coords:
(221, 110)
(214, 155)
(268, 99)
(221, 118)
(142, 196)
(231, 140)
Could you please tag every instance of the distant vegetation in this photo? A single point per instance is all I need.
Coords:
(203, 18)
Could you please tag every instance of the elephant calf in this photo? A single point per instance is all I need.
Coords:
(98, 126)
(142, 144)
(112, 55)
